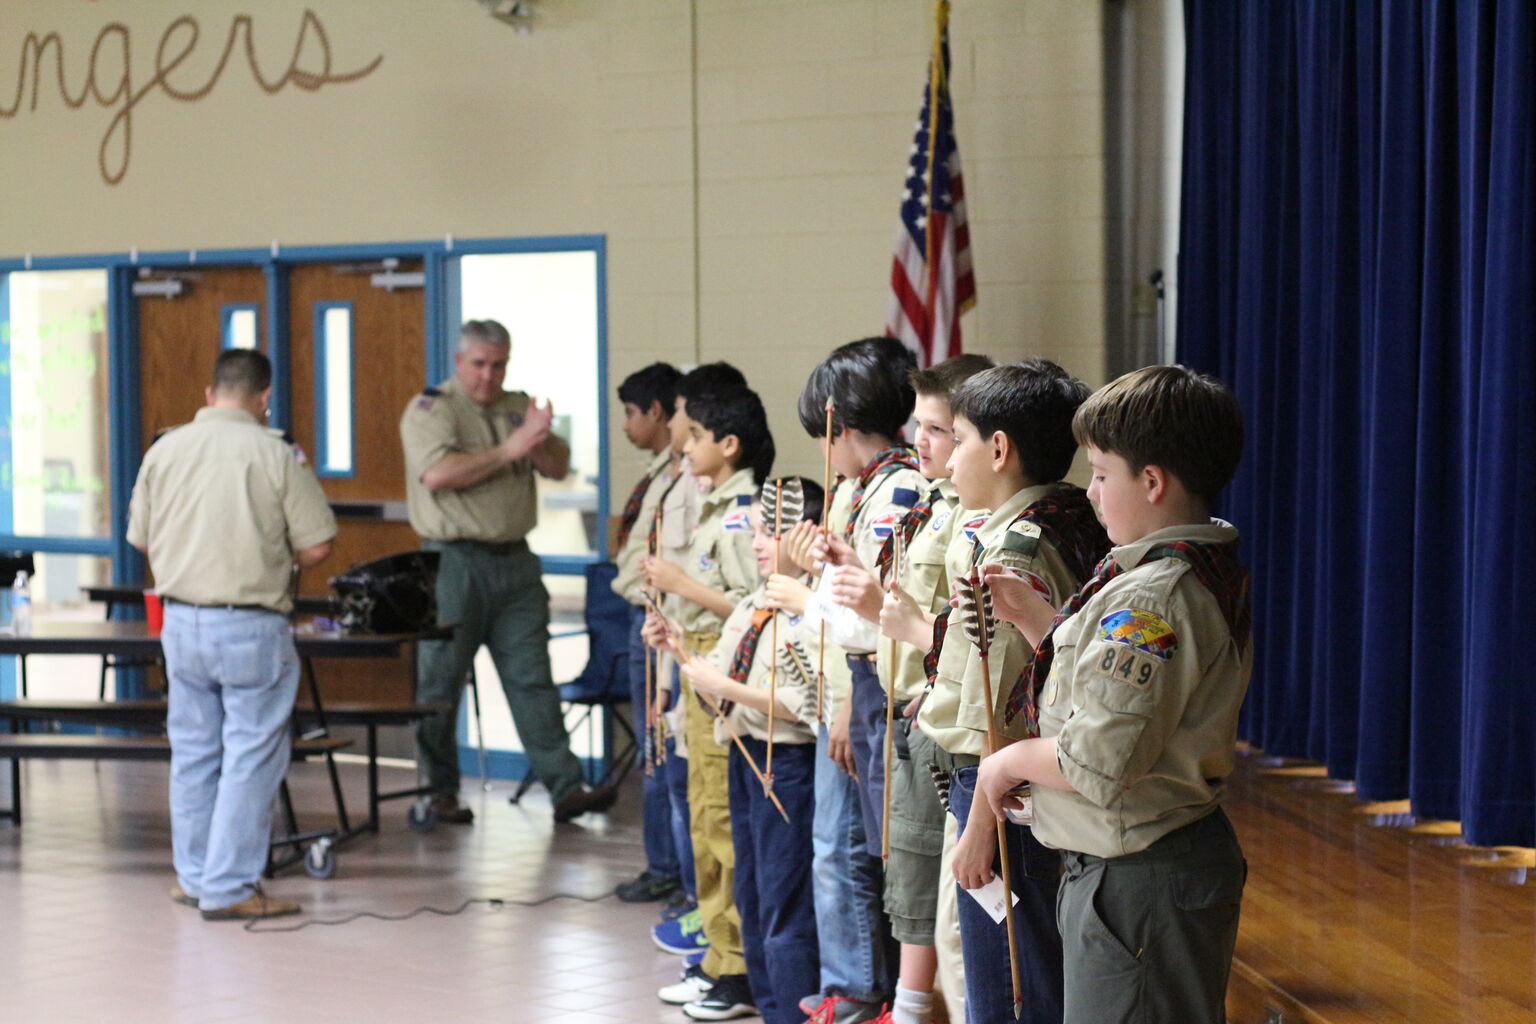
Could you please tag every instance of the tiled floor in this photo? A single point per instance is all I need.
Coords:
(87, 932)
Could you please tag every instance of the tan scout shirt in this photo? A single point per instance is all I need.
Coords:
(877, 517)
(922, 576)
(221, 505)
(1145, 723)
(720, 551)
(628, 580)
(960, 713)
(504, 506)
(680, 505)
(795, 695)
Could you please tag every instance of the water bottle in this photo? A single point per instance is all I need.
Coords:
(21, 605)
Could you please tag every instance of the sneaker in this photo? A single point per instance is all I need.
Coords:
(694, 959)
(448, 811)
(179, 895)
(647, 888)
(682, 936)
(839, 1010)
(582, 799)
(679, 906)
(255, 906)
(694, 984)
(728, 999)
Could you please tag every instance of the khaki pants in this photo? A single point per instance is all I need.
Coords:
(709, 813)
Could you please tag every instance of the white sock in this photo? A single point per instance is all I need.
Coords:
(912, 1007)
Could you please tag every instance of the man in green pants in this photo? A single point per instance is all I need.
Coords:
(471, 452)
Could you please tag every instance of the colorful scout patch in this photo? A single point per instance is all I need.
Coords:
(940, 519)
(738, 520)
(1139, 629)
(882, 525)
(970, 526)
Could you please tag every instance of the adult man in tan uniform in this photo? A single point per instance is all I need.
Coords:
(471, 452)
(224, 508)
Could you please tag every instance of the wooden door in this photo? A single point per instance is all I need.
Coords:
(180, 338)
(389, 360)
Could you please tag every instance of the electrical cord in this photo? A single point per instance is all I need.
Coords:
(495, 903)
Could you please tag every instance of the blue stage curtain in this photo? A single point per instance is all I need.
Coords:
(1358, 259)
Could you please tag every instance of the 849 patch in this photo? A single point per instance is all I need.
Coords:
(1123, 664)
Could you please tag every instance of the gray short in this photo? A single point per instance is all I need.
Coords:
(917, 839)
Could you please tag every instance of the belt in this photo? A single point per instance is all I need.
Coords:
(500, 548)
(868, 659)
(1180, 841)
(221, 607)
(944, 761)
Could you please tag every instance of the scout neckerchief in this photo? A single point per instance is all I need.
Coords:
(746, 650)
(631, 511)
(888, 460)
(910, 523)
(1217, 568)
(1066, 519)
(651, 534)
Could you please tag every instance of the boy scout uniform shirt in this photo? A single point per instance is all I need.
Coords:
(1142, 699)
(680, 505)
(793, 693)
(922, 576)
(720, 551)
(877, 518)
(955, 714)
(628, 580)
(441, 421)
(221, 505)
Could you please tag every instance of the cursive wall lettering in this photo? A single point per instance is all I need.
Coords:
(109, 81)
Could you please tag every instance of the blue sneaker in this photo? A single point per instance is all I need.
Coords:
(682, 936)
(677, 908)
(694, 959)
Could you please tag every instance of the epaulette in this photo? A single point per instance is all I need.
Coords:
(431, 392)
(1023, 538)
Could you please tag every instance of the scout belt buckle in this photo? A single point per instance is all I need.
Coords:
(1025, 814)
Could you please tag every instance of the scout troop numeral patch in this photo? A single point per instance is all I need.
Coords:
(1141, 630)
(1123, 664)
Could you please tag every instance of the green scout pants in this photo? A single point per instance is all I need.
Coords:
(912, 878)
(1148, 937)
(498, 599)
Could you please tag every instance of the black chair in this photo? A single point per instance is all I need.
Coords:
(603, 686)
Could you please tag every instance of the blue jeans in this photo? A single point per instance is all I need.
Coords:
(850, 928)
(233, 674)
(677, 807)
(1036, 874)
(773, 878)
(866, 731)
(655, 807)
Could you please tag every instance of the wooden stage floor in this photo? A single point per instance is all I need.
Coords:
(1358, 912)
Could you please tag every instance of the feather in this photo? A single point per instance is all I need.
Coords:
(975, 612)
(783, 505)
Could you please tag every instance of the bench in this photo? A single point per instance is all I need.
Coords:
(149, 714)
(68, 747)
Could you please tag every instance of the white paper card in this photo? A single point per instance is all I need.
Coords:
(845, 627)
(990, 897)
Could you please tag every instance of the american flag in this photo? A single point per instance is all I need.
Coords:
(931, 278)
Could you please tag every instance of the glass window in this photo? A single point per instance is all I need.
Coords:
(549, 303)
(333, 380)
(241, 325)
(53, 404)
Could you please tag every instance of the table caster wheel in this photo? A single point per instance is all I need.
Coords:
(421, 817)
(320, 859)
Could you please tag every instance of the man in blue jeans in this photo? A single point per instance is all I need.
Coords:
(225, 508)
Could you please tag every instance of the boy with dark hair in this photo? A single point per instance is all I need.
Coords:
(676, 519)
(872, 396)
(773, 855)
(728, 446)
(1013, 443)
(648, 396)
(1137, 683)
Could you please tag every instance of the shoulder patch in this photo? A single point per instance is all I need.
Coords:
(1139, 629)
(427, 399)
(743, 499)
(737, 521)
(940, 519)
(970, 526)
(906, 497)
(881, 526)
(430, 392)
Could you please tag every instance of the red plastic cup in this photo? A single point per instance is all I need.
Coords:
(154, 611)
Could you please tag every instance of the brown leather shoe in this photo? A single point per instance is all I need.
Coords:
(257, 905)
(179, 895)
(584, 798)
(448, 811)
